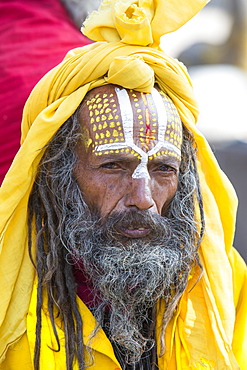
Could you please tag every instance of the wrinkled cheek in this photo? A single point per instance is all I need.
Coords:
(167, 204)
(164, 197)
(105, 199)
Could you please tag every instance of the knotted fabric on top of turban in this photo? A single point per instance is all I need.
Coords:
(126, 54)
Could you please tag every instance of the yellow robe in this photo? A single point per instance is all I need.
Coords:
(209, 330)
(190, 344)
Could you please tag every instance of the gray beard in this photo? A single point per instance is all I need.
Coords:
(130, 275)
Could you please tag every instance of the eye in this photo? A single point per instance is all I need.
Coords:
(166, 168)
(111, 165)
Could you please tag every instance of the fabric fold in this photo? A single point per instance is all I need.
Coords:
(53, 101)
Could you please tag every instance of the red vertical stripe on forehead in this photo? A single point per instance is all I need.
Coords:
(148, 119)
(148, 128)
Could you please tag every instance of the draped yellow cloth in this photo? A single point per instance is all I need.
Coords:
(128, 54)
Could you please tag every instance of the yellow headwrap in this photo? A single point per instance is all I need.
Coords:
(127, 54)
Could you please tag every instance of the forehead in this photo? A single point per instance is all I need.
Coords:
(121, 120)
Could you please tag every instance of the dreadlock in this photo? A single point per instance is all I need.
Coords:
(56, 187)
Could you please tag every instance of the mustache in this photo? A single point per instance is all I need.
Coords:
(136, 219)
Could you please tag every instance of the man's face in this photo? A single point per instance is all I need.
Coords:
(132, 251)
(130, 155)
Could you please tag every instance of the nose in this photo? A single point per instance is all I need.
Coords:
(140, 194)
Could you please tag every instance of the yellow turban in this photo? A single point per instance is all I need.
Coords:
(128, 54)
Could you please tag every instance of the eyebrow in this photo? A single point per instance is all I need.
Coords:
(128, 157)
(121, 157)
(166, 158)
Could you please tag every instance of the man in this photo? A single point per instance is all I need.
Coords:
(133, 265)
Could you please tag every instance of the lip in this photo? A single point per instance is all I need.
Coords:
(139, 232)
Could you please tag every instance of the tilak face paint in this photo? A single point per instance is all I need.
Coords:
(145, 125)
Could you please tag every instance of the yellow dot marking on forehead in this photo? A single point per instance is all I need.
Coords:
(114, 135)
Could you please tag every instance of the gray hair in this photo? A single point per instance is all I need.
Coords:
(56, 199)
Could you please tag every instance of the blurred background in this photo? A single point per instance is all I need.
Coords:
(36, 35)
(213, 46)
